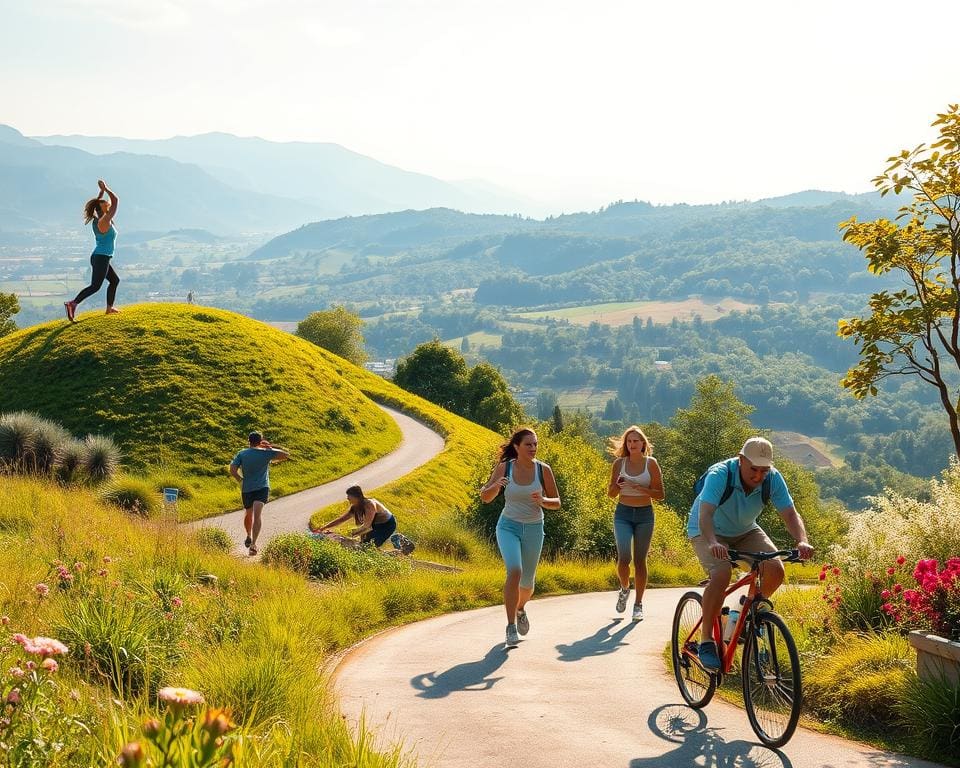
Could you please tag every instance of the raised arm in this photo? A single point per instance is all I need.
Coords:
(103, 223)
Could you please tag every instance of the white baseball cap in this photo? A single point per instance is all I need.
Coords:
(758, 451)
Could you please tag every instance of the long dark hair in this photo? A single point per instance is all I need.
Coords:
(509, 449)
(91, 210)
(356, 492)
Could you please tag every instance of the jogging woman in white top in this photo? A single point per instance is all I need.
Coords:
(635, 477)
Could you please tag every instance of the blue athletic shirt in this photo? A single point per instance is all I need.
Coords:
(105, 240)
(739, 513)
(254, 464)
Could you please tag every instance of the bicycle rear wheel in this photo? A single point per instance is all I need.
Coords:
(771, 679)
(697, 686)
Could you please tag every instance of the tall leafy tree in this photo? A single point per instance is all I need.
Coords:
(914, 331)
(436, 373)
(9, 306)
(338, 330)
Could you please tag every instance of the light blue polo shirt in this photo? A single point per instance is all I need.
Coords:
(739, 513)
(254, 465)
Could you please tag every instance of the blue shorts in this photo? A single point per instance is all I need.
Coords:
(520, 546)
(380, 532)
(632, 526)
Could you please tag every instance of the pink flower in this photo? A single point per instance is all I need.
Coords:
(885, 594)
(41, 646)
(891, 570)
(887, 608)
(897, 589)
(14, 696)
(176, 602)
(42, 589)
(823, 575)
(107, 559)
(50, 665)
(31, 665)
(78, 567)
(835, 571)
(5, 620)
(16, 673)
(180, 697)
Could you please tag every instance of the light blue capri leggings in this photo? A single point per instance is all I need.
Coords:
(632, 524)
(520, 546)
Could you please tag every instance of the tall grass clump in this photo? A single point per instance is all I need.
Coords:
(132, 494)
(322, 559)
(861, 680)
(102, 458)
(929, 711)
(214, 539)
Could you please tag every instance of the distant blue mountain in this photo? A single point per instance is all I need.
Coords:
(326, 175)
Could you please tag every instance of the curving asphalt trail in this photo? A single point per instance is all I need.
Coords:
(587, 688)
(289, 513)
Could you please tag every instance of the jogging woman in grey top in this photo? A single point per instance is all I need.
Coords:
(528, 488)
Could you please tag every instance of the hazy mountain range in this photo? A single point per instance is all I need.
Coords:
(217, 181)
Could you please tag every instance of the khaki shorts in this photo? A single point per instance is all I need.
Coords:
(754, 540)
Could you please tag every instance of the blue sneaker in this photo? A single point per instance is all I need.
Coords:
(708, 656)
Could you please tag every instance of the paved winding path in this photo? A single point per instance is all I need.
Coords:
(587, 688)
(292, 513)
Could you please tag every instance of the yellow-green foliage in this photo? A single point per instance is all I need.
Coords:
(860, 680)
(179, 388)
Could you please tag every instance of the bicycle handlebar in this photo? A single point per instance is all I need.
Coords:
(787, 555)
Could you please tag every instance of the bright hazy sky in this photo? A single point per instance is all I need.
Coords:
(576, 103)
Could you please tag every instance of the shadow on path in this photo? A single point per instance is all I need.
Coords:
(703, 747)
(469, 676)
(601, 642)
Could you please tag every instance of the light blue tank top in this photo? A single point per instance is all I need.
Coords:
(105, 240)
(517, 504)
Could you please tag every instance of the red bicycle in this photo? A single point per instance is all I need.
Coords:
(769, 663)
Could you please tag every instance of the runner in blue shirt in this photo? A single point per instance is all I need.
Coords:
(251, 468)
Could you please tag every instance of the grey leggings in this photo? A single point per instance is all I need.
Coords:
(101, 270)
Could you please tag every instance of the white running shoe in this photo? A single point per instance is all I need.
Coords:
(523, 622)
(638, 612)
(513, 639)
(622, 599)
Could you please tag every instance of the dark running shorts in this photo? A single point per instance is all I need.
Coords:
(261, 494)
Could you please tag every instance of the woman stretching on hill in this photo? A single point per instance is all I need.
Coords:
(101, 213)
(528, 488)
(375, 523)
(635, 477)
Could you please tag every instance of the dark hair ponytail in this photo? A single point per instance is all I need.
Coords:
(357, 492)
(91, 210)
(508, 450)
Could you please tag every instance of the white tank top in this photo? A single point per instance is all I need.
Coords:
(642, 479)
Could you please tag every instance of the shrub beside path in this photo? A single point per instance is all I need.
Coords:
(292, 513)
(586, 688)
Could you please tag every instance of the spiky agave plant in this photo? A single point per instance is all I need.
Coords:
(102, 458)
(72, 458)
(49, 442)
(17, 434)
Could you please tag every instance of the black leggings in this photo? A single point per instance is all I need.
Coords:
(101, 270)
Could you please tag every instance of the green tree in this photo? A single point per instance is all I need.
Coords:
(488, 399)
(713, 428)
(337, 330)
(465, 345)
(9, 306)
(914, 331)
(557, 418)
(436, 373)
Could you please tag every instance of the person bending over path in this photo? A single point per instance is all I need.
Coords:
(101, 213)
(528, 488)
(374, 522)
(251, 468)
(724, 516)
(635, 477)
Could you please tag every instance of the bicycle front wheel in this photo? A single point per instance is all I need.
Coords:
(696, 684)
(771, 679)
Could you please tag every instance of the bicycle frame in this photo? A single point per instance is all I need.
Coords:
(753, 581)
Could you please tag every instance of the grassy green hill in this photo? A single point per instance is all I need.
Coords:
(180, 387)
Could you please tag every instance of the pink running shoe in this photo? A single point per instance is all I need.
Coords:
(71, 308)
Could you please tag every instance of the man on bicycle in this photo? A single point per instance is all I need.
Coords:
(724, 515)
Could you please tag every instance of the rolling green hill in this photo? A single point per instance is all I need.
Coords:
(180, 387)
